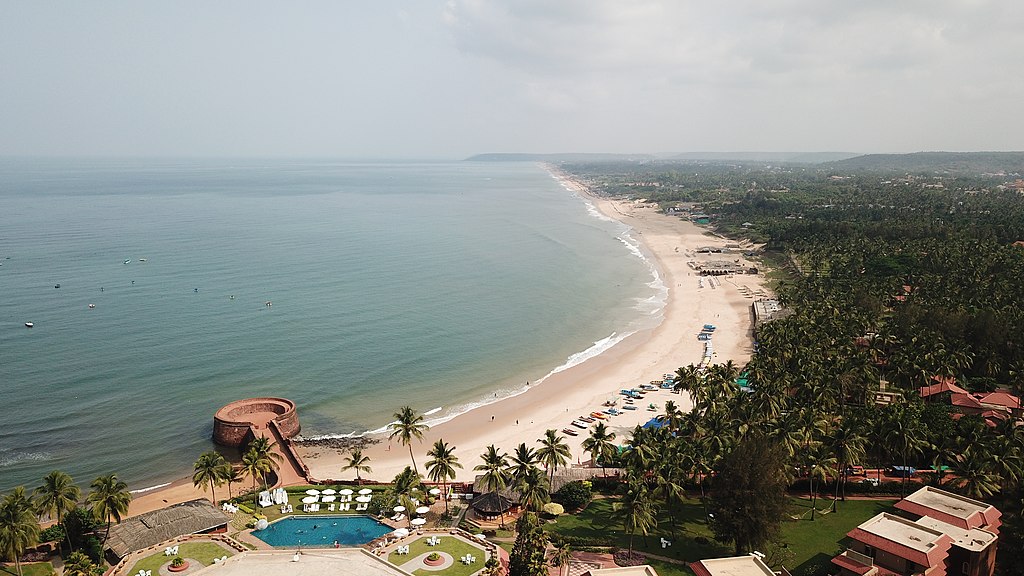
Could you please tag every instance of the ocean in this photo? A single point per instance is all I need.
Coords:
(438, 285)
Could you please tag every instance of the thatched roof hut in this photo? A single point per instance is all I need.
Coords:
(491, 504)
(151, 528)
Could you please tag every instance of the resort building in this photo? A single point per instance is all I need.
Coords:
(192, 517)
(993, 407)
(750, 565)
(947, 534)
(766, 310)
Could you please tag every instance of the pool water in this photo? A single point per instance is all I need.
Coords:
(322, 531)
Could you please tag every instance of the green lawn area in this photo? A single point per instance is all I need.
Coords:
(598, 523)
(204, 552)
(29, 569)
(457, 548)
(814, 543)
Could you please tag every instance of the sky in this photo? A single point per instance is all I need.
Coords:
(437, 79)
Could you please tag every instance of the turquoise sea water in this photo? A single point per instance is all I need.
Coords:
(439, 285)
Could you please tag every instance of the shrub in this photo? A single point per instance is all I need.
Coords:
(575, 495)
(178, 562)
(52, 534)
(433, 557)
(624, 558)
(553, 509)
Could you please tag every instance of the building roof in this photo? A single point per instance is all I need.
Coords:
(318, 562)
(965, 400)
(903, 538)
(999, 399)
(972, 539)
(491, 503)
(158, 526)
(642, 570)
(733, 566)
(960, 511)
(941, 384)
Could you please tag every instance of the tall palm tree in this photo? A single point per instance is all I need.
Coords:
(441, 467)
(358, 462)
(521, 461)
(848, 447)
(600, 445)
(210, 469)
(263, 449)
(55, 496)
(638, 511)
(975, 477)
(109, 499)
(408, 425)
(561, 557)
(553, 452)
(534, 491)
(495, 471)
(256, 465)
(19, 528)
(406, 487)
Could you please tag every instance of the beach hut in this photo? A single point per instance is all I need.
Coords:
(192, 517)
(491, 505)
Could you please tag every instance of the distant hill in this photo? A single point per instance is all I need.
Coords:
(782, 157)
(567, 157)
(919, 162)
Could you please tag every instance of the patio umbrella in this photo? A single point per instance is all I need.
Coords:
(418, 521)
(329, 491)
(309, 499)
(313, 492)
(345, 492)
(401, 532)
(399, 508)
(362, 499)
(423, 510)
(435, 491)
(328, 498)
(365, 491)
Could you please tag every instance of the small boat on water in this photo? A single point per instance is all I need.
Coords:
(92, 305)
(127, 261)
(143, 260)
(29, 324)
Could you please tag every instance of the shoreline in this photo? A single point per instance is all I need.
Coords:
(668, 243)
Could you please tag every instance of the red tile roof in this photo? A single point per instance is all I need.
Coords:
(999, 399)
(942, 384)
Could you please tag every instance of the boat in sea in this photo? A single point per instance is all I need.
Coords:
(29, 324)
(128, 260)
(92, 305)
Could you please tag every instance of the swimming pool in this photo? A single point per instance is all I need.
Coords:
(323, 531)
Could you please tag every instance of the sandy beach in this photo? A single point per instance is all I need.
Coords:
(644, 356)
(647, 355)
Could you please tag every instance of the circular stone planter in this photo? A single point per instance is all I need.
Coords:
(440, 560)
(181, 568)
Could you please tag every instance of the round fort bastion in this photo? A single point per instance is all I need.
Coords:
(236, 423)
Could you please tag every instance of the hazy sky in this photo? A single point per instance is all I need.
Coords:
(445, 79)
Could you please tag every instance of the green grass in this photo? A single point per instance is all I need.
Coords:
(812, 544)
(453, 546)
(30, 569)
(204, 552)
(601, 525)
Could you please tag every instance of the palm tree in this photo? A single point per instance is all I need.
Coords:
(848, 447)
(817, 465)
(233, 476)
(534, 491)
(408, 425)
(263, 449)
(441, 467)
(256, 465)
(974, 474)
(55, 496)
(356, 461)
(553, 452)
(19, 528)
(407, 486)
(211, 469)
(495, 471)
(522, 460)
(561, 557)
(109, 499)
(638, 511)
(600, 445)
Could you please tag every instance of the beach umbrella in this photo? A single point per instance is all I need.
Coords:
(401, 532)
(399, 508)
(313, 492)
(365, 491)
(345, 492)
(435, 491)
(309, 499)
(362, 499)
(418, 521)
(329, 498)
(329, 491)
(423, 510)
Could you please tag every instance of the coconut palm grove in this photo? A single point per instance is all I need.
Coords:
(898, 365)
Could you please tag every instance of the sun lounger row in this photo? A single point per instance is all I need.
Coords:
(310, 507)
(287, 509)
(398, 517)
(171, 551)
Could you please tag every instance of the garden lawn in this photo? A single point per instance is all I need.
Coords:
(29, 569)
(599, 525)
(814, 543)
(453, 546)
(204, 552)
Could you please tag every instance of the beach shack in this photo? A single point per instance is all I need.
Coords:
(492, 505)
(152, 528)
